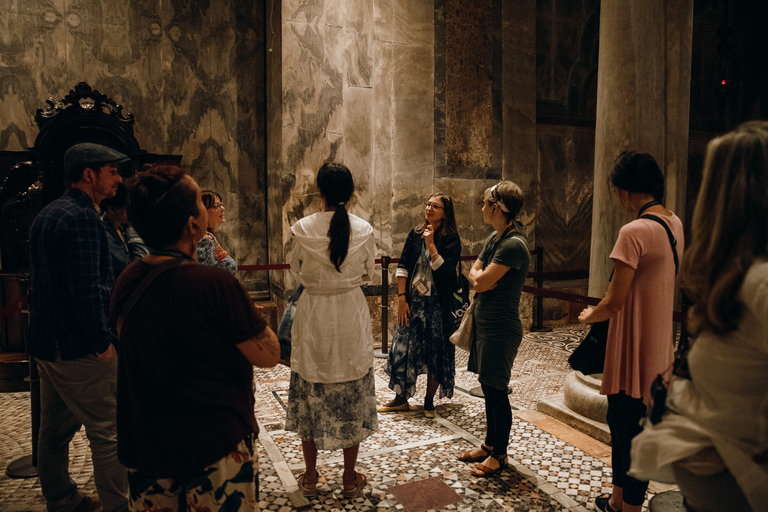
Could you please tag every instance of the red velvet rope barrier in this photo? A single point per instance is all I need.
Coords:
(543, 292)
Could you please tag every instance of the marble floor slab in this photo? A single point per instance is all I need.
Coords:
(552, 466)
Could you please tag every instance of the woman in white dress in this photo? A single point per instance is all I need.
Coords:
(332, 397)
(713, 440)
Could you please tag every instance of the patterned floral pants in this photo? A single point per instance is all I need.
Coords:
(227, 485)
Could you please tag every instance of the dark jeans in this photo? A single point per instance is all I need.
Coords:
(498, 415)
(624, 415)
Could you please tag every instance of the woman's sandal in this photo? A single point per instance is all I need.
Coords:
(483, 471)
(308, 490)
(467, 456)
(360, 481)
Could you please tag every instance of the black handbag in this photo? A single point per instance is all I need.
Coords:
(589, 356)
(459, 300)
(286, 324)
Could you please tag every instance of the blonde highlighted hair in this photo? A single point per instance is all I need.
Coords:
(729, 228)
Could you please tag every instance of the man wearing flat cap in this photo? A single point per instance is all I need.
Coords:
(69, 334)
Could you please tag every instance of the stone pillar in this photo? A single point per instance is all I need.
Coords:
(519, 103)
(518, 86)
(643, 97)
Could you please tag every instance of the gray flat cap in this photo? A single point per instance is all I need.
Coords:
(88, 154)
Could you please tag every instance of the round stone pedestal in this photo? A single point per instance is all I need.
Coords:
(668, 501)
(581, 394)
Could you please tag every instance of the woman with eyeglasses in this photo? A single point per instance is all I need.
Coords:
(497, 275)
(425, 278)
(209, 251)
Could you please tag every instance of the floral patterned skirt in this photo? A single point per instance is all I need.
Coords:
(337, 415)
(421, 347)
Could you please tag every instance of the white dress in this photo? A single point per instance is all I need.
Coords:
(724, 406)
(332, 394)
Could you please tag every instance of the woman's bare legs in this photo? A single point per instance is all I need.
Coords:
(429, 399)
(310, 462)
(350, 459)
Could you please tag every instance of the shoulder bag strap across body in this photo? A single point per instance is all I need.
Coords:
(141, 288)
(672, 240)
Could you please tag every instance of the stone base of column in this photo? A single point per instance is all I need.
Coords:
(581, 406)
(668, 501)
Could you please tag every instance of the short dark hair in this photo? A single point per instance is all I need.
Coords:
(209, 198)
(160, 203)
(75, 174)
(638, 172)
(117, 201)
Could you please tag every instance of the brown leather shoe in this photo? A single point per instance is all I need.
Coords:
(88, 504)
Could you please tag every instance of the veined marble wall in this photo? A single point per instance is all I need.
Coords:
(409, 94)
(192, 73)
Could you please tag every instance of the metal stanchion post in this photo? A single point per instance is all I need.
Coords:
(26, 466)
(538, 326)
(384, 308)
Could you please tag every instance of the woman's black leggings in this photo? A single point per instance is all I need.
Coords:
(498, 415)
(624, 415)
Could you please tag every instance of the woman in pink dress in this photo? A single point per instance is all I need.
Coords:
(639, 303)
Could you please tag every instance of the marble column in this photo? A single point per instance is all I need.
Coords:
(518, 90)
(519, 104)
(643, 95)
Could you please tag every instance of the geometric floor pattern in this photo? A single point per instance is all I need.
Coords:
(547, 473)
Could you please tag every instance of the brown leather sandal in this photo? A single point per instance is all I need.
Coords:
(353, 492)
(483, 471)
(308, 490)
(467, 456)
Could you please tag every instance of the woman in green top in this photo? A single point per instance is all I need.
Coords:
(497, 275)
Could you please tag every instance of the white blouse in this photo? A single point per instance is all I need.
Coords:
(331, 339)
(724, 406)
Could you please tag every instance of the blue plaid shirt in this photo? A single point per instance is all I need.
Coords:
(71, 280)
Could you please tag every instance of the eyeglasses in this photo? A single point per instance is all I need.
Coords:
(219, 206)
(434, 206)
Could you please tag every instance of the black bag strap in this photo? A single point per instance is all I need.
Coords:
(672, 240)
(141, 288)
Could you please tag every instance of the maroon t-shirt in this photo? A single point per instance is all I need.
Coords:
(184, 389)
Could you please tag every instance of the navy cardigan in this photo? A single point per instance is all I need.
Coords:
(449, 247)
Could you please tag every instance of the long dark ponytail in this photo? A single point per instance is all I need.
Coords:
(336, 185)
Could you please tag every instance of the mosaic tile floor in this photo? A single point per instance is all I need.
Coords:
(547, 473)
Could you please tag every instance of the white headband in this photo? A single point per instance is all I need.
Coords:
(498, 200)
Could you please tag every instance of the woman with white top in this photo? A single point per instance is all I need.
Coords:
(332, 396)
(713, 440)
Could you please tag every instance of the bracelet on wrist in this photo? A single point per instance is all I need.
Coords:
(401, 294)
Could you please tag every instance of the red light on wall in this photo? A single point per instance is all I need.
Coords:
(723, 82)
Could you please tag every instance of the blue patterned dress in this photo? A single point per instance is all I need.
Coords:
(422, 346)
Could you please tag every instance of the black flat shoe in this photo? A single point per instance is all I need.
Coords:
(601, 502)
